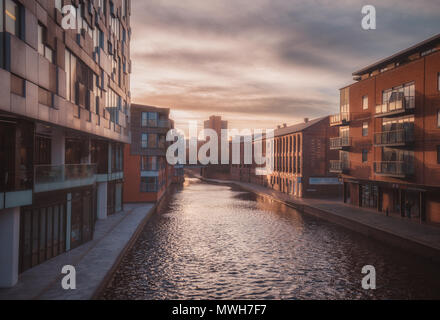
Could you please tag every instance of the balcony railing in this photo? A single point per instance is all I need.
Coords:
(50, 178)
(399, 105)
(340, 143)
(15, 180)
(339, 166)
(399, 169)
(340, 119)
(401, 137)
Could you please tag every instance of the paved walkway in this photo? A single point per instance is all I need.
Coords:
(415, 236)
(93, 260)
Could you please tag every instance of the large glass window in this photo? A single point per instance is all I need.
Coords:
(408, 90)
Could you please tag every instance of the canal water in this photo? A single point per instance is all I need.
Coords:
(210, 241)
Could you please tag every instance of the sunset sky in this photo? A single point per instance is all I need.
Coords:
(259, 63)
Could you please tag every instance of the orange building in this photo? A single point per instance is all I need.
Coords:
(147, 173)
(389, 142)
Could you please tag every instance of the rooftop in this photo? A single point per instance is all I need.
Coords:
(421, 46)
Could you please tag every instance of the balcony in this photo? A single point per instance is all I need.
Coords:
(395, 138)
(397, 106)
(397, 169)
(15, 188)
(340, 119)
(339, 166)
(340, 143)
(51, 178)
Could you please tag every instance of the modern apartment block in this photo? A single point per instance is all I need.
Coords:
(301, 155)
(389, 140)
(147, 172)
(64, 118)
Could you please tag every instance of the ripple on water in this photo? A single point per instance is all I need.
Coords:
(217, 242)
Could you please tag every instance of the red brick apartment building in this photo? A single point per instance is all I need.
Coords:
(389, 142)
(301, 161)
(64, 118)
(147, 172)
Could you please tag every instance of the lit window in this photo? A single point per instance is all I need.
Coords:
(365, 102)
(12, 17)
(365, 129)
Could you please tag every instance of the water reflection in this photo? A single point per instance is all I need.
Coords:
(211, 241)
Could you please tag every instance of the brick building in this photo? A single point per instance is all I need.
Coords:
(147, 172)
(389, 141)
(301, 161)
(64, 117)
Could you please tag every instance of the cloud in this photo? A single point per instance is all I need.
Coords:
(267, 60)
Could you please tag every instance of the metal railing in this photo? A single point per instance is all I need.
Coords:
(340, 142)
(340, 118)
(394, 137)
(398, 105)
(339, 165)
(58, 177)
(394, 168)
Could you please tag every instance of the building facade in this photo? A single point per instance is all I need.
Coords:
(301, 156)
(389, 141)
(64, 118)
(147, 172)
(219, 171)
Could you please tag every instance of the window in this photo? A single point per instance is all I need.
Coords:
(365, 102)
(438, 154)
(43, 49)
(144, 140)
(148, 184)
(364, 155)
(149, 163)
(149, 119)
(365, 129)
(408, 90)
(438, 81)
(11, 16)
(59, 4)
(438, 118)
(152, 140)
